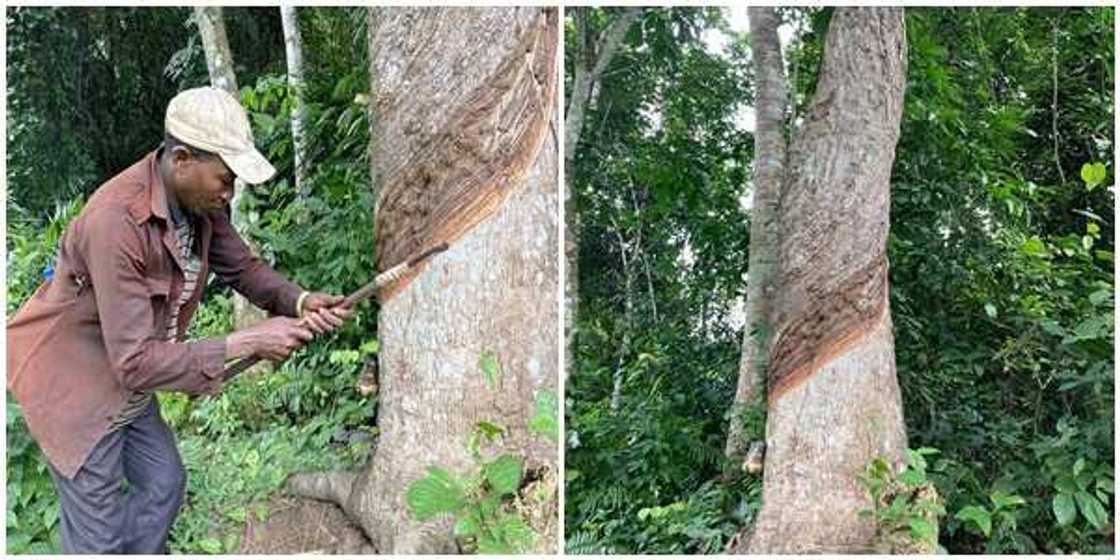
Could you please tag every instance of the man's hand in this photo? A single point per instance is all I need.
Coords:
(272, 339)
(323, 313)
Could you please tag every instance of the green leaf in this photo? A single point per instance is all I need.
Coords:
(912, 477)
(1078, 466)
(544, 421)
(1064, 509)
(515, 532)
(237, 514)
(210, 545)
(1093, 174)
(468, 525)
(489, 430)
(436, 494)
(921, 529)
(990, 310)
(371, 346)
(1092, 509)
(977, 515)
(488, 363)
(503, 474)
(1003, 500)
(1100, 296)
(1065, 484)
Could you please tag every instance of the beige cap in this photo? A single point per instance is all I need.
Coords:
(212, 120)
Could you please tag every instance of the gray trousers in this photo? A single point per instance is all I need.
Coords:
(98, 516)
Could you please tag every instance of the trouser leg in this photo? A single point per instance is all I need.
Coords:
(92, 508)
(157, 483)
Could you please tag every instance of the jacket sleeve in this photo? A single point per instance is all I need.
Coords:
(234, 263)
(140, 358)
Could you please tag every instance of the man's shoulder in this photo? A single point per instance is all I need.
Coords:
(127, 192)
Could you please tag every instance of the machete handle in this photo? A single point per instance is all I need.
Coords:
(363, 293)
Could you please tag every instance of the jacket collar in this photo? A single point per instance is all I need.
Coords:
(153, 199)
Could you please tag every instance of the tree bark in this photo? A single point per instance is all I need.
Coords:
(293, 49)
(769, 173)
(464, 100)
(589, 65)
(834, 401)
(219, 61)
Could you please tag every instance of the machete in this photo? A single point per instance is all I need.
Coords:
(363, 293)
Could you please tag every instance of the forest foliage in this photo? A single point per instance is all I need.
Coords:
(109, 74)
(1001, 252)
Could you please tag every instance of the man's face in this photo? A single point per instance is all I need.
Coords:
(202, 182)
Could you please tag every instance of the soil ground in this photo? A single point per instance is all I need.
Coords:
(303, 526)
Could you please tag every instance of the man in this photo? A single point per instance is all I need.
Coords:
(87, 350)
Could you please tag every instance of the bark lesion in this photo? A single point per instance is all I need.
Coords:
(462, 174)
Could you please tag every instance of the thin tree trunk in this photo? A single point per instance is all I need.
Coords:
(627, 321)
(219, 61)
(293, 48)
(588, 69)
(464, 98)
(833, 395)
(769, 173)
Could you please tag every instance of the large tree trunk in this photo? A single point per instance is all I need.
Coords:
(293, 49)
(834, 401)
(219, 61)
(465, 154)
(769, 172)
(592, 59)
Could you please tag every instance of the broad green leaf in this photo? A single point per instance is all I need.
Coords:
(503, 474)
(977, 515)
(912, 477)
(1093, 174)
(436, 494)
(1092, 509)
(1064, 509)
(1065, 484)
(488, 363)
(921, 529)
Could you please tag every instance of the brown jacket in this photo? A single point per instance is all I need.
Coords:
(97, 331)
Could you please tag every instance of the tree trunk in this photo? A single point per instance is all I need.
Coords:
(747, 416)
(465, 100)
(589, 67)
(834, 401)
(293, 48)
(219, 61)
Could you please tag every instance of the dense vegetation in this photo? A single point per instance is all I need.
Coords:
(1001, 253)
(109, 74)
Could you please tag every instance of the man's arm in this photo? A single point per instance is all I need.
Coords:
(113, 251)
(234, 263)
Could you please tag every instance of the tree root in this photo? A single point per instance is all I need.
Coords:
(337, 487)
(333, 487)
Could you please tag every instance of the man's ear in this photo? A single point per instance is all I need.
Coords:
(180, 155)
